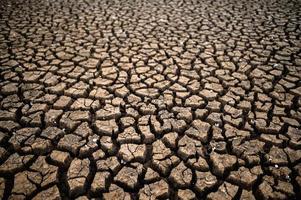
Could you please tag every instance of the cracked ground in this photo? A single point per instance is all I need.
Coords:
(174, 99)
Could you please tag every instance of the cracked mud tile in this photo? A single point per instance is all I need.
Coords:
(150, 99)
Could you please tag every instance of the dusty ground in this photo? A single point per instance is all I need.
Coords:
(150, 99)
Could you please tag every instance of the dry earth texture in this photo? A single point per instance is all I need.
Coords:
(160, 99)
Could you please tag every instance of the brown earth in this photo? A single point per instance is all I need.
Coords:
(173, 99)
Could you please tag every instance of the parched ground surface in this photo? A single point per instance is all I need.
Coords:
(150, 99)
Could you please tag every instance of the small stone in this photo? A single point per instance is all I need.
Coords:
(288, 178)
(277, 156)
